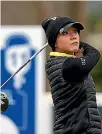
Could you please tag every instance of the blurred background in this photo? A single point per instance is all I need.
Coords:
(32, 13)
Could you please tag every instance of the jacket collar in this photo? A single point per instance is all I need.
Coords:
(60, 54)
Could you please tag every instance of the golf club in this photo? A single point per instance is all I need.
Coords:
(24, 65)
(4, 100)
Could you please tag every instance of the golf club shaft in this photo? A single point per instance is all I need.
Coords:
(24, 65)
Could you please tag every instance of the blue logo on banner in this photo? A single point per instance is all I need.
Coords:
(21, 88)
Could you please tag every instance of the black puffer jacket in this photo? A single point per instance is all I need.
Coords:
(73, 92)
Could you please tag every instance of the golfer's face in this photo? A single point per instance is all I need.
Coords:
(68, 42)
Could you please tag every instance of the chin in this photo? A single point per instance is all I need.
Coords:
(74, 47)
(75, 50)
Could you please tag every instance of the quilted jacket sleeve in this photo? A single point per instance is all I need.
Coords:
(77, 69)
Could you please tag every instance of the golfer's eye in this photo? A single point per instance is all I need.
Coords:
(64, 33)
(75, 31)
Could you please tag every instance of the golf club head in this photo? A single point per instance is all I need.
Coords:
(4, 102)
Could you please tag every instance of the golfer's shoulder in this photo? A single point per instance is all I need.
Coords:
(55, 61)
